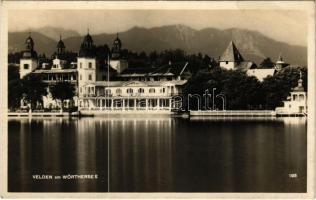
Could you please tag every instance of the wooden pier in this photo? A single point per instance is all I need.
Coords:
(237, 113)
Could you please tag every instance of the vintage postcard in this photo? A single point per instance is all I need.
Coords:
(152, 99)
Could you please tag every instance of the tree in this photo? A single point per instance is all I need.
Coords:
(33, 89)
(63, 91)
(266, 63)
(13, 72)
(276, 88)
(240, 90)
(15, 93)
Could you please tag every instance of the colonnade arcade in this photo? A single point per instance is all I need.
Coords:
(103, 103)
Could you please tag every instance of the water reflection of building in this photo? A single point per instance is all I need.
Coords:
(296, 103)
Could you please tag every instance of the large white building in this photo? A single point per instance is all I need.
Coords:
(108, 84)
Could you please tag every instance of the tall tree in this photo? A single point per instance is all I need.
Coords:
(33, 88)
(63, 91)
(15, 93)
(276, 88)
(266, 63)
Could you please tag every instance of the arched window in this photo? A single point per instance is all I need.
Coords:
(107, 92)
(152, 90)
(129, 90)
(301, 97)
(26, 66)
(118, 91)
(141, 90)
(294, 97)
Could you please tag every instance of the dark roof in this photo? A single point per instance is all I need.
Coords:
(29, 42)
(245, 65)
(173, 69)
(137, 70)
(60, 44)
(231, 54)
(87, 39)
(87, 48)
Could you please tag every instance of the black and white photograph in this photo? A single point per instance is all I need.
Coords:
(157, 98)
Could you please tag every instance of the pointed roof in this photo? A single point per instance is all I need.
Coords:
(231, 54)
(280, 59)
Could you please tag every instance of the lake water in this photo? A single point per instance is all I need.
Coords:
(158, 154)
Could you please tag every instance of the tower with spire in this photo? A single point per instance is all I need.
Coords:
(29, 60)
(117, 61)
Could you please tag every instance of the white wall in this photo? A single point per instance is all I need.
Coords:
(229, 65)
(119, 65)
(84, 71)
(32, 65)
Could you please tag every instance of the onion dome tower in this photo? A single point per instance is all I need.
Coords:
(87, 66)
(117, 61)
(299, 87)
(59, 61)
(116, 48)
(87, 48)
(60, 47)
(29, 51)
(28, 61)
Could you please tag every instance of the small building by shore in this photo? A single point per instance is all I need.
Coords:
(296, 103)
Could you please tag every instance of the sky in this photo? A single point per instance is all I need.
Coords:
(284, 25)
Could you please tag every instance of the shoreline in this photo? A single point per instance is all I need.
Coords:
(205, 113)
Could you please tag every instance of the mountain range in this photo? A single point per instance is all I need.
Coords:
(253, 45)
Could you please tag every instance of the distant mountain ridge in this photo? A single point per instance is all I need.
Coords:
(253, 45)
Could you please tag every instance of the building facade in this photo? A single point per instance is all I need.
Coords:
(107, 83)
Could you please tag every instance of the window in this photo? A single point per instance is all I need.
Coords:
(118, 91)
(107, 92)
(129, 90)
(226, 62)
(294, 97)
(80, 90)
(141, 90)
(26, 66)
(152, 90)
(80, 77)
(104, 78)
(90, 77)
(163, 90)
(90, 64)
(80, 65)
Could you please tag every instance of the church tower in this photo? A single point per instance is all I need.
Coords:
(231, 57)
(87, 65)
(117, 61)
(28, 61)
